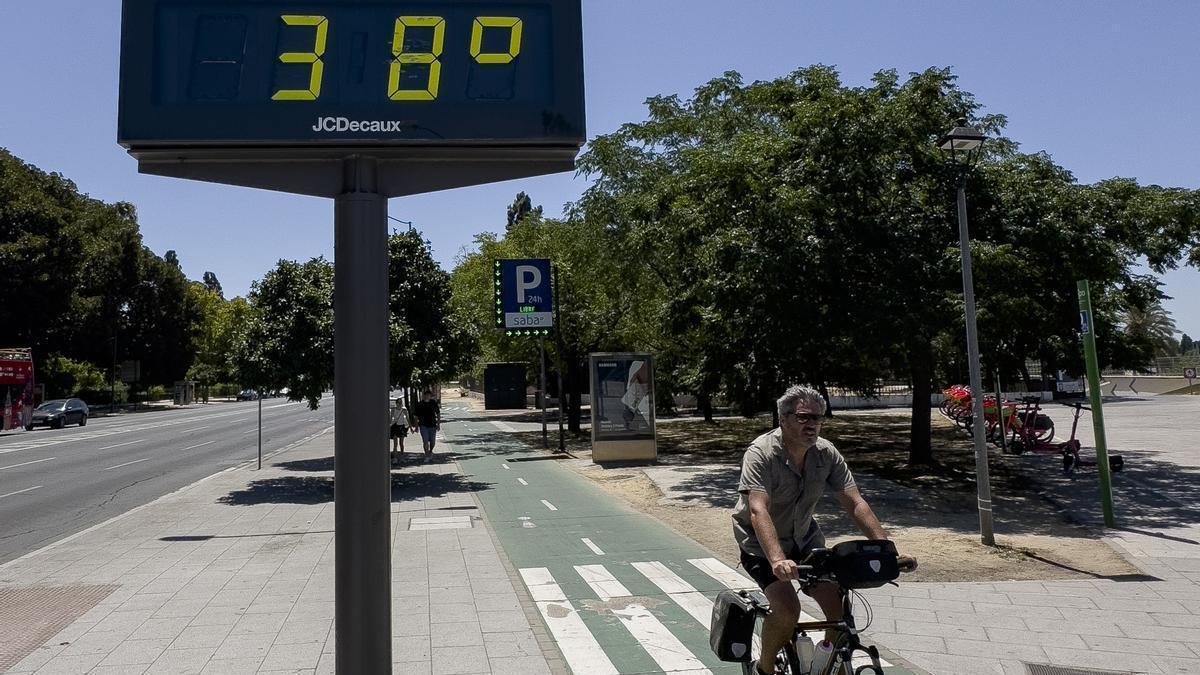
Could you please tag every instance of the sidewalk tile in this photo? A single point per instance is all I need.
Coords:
(519, 665)
(1180, 666)
(196, 637)
(181, 661)
(1086, 658)
(459, 634)
(291, 657)
(407, 648)
(137, 652)
(996, 650)
(1034, 637)
(459, 660)
(1135, 646)
(936, 662)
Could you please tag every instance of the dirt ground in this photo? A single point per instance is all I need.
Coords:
(928, 510)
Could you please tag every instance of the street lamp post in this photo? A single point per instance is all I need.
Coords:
(962, 146)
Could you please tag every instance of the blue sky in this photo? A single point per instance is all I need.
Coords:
(1107, 88)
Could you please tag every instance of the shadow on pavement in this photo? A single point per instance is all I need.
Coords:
(321, 464)
(319, 490)
(1148, 495)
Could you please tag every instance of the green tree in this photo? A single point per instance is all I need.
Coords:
(521, 208)
(286, 340)
(1187, 346)
(426, 344)
(1154, 325)
(212, 284)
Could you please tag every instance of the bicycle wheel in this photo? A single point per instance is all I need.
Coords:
(786, 662)
(1043, 428)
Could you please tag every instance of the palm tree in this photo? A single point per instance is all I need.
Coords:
(1155, 325)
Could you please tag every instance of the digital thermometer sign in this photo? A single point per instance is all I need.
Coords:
(342, 72)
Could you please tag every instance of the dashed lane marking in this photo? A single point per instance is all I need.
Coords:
(595, 549)
(13, 466)
(36, 487)
(126, 464)
(549, 505)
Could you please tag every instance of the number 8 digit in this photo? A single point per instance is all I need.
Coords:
(395, 93)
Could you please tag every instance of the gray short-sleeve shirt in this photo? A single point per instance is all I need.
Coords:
(792, 492)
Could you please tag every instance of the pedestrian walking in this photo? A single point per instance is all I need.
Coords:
(429, 420)
(398, 430)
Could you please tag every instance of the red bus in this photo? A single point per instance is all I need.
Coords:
(16, 387)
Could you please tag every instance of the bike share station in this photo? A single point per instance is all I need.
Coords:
(359, 101)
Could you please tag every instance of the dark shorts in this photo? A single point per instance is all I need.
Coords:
(759, 568)
(399, 431)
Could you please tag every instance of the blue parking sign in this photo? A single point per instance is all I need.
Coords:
(523, 296)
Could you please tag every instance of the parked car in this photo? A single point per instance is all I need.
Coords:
(59, 413)
(247, 395)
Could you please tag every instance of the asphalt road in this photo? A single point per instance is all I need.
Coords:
(56, 482)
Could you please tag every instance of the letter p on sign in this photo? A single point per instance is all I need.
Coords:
(528, 277)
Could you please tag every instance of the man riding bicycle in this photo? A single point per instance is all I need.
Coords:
(784, 474)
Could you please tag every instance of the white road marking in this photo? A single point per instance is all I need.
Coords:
(723, 573)
(198, 445)
(583, 654)
(506, 467)
(118, 445)
(126, 464)
(36, 487)
(595, 549)
(13, 466)
(522, 481)
(505, 426)
(684, 594)
(662, 646)
(549, 505)
(185, 431)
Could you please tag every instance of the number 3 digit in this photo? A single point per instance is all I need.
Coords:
(313, 57)
(430, 93)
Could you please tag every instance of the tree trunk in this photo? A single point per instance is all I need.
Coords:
(704, 402)
(920, 449)
(825, 395)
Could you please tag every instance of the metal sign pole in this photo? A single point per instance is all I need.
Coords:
(362, 480)
(260, 430)
(542, 360)
(1093, 385)
(562, 446)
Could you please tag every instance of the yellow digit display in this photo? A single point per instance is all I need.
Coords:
(430, 57)
(514, 41)
(313, 57)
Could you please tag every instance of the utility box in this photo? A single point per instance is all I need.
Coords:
(504, 386)
(185, 393)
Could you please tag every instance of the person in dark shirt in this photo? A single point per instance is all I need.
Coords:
(429, 420)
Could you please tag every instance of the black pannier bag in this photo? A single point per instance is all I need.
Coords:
(864, 563)
(732, 625)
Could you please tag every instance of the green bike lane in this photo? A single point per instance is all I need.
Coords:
(618, 590)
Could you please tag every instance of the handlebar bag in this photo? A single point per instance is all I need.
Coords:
(732, 626)
(864, 563)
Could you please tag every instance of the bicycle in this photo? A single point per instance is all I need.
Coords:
(738, 615)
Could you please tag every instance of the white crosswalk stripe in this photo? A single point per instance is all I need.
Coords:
(581, 649)
(662, 646)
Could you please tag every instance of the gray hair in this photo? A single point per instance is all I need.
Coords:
(795, 394)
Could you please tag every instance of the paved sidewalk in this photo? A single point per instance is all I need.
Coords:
(1147, 623)
(234, 574)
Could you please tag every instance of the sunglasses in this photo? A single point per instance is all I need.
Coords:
(805, 418)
